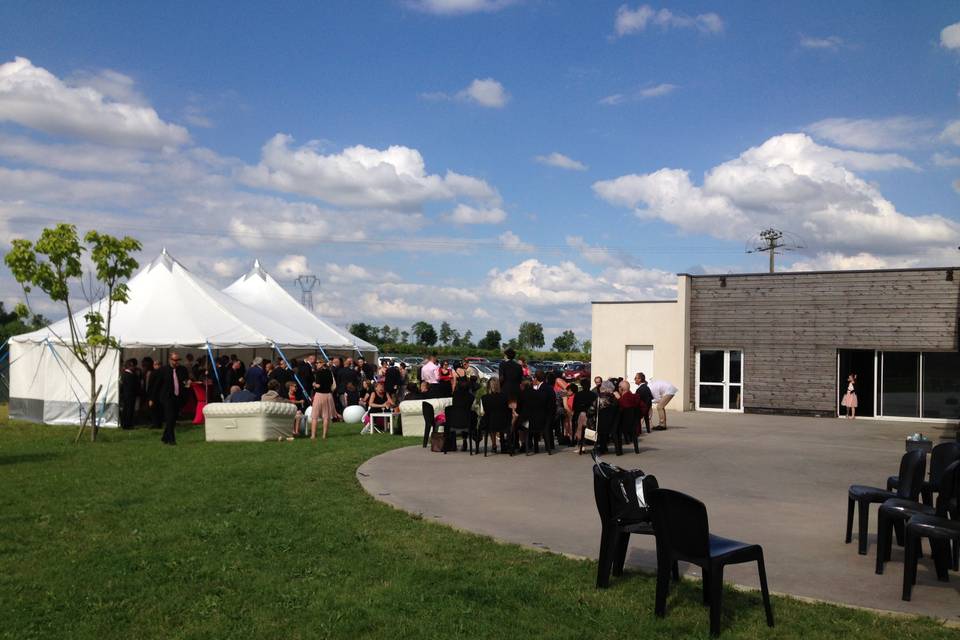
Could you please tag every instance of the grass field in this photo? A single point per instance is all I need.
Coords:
(127, 538)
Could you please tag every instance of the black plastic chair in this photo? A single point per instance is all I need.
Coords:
(458, 421)
(614, 535)
(942, 532)
(429, 422)
(941, 457)
(912, 466)
(606, 426)
(683, 533)
(627, 421)
(894, 513)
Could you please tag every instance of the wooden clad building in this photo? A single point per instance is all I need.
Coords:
(786, 342)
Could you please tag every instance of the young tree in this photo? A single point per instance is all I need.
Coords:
(404, 337)
(566, 341)
(530, 335)
(586, 346)
(52, 264)
(425, 333)
(467, 339)
(490, 341)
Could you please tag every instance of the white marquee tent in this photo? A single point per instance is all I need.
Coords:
(259, 290)
(168, 307)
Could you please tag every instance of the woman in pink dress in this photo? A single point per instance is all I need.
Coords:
(850, 397)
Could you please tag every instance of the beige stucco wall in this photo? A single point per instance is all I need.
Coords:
(662, 325)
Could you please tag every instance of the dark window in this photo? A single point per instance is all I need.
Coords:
(711, 366)
(901, 384)
(711, 396)
(941, 385)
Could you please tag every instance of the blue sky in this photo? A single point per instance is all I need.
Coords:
(485, 161)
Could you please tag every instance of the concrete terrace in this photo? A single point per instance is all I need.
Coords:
(774, 480)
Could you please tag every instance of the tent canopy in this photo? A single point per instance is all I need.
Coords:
(168, 306)
(258, 289)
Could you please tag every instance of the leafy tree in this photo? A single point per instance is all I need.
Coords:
(404, 337)
(52, 264)
(490, 341)
(388, 335)
(530, 335)
(467, 339)
(586, 346)
(566, 341)
(446, 333)
(425, 333)
(364, 331)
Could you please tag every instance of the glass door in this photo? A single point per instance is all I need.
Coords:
(720, 379)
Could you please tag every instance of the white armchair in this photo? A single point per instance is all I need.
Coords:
(248, 421)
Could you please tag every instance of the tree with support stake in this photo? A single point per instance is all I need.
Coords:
(53, 264)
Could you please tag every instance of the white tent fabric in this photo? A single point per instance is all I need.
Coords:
(259, 290)
(168, 307)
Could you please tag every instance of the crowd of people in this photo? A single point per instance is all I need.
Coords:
(514, 404)
(520, 408)
(158, 394)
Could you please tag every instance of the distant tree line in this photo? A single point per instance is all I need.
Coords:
(422, 334)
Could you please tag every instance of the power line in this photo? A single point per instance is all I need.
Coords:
(407, 243)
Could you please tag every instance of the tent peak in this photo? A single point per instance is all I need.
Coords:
(256, 271)
(164, 260)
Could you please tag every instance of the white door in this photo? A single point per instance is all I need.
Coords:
(719, 380)
(639, 359)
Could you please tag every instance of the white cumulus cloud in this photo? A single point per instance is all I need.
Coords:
(561, 161)
(486, 93)
(465, 214)
(787, 182)
(359, 176)
(35, 98)
(950, 36)
(628, 21)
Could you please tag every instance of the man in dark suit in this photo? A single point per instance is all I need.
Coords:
(511, 373)
(257, 376)
(548, 407)
(172, 382)
(644, 398)
(129, 391)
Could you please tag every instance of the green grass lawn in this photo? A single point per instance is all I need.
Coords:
(127, 538)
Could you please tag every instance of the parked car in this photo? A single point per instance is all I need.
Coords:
(482, 371)
(576, 371)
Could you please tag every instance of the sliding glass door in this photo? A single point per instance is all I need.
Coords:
(918, 385)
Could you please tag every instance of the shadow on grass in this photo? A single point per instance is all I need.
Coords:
(22, 458)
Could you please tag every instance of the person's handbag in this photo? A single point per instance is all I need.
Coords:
(437, 441)
(629, 490)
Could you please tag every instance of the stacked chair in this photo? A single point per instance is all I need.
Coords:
(912, 520)
(679, 524)
(909, 482)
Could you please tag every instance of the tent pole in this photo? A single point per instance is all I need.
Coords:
(296, 377)
(213, 365)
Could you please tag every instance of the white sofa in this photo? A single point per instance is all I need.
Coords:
(248, 421)
(411, 414)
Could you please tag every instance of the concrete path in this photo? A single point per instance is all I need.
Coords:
(773, 480)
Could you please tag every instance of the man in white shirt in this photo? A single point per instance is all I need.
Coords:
(430, 373)
(663, 393)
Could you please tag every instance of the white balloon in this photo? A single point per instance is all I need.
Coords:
(353, 414)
